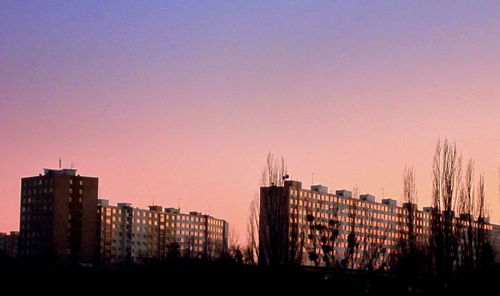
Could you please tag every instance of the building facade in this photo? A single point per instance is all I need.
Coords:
(133, 235)
(8, 244)
(315, 227)
(495, 242)
(58, 217)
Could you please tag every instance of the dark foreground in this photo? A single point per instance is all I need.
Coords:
(230, 278)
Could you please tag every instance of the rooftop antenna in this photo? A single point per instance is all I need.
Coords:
(72, 165)
(179, 203)
(312, 178)
(383, 193)
(60, 160)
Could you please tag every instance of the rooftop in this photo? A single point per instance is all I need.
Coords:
(66, 172)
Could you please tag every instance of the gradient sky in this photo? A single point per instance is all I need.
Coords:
(184, 99)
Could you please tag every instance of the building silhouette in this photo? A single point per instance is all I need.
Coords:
(58, 217)
(8, 244)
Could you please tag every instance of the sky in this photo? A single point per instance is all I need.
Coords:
(180, 101)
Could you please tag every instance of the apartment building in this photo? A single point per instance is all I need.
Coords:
(58, 221)
(296, 222)
(132, 235)
(201, 234)
(495, 242)
(8, 244)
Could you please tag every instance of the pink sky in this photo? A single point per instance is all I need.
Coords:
(187, 107)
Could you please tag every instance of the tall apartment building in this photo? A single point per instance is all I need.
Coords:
(133, 235)
(8, 244)
(295, 222)
(58, 217)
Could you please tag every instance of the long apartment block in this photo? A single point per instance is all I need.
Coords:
(132, 235)
(295, 218)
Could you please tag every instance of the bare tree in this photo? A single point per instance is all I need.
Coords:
(275, 172)
(329, 234)
(465, 225)
(410, 201)
(353, 245)
(407, 258)
(251, 252)
(457, 243)
(235, 254)
(322, 234)
(447, 168)
(436, 236)
(311, 232)
(373, 251)
(484, 253)
(408, 245)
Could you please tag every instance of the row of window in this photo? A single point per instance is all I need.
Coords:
(141, 214)
(190, 218)
(27, 182)
(36, 191)
(41, 208)
(317, 197)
